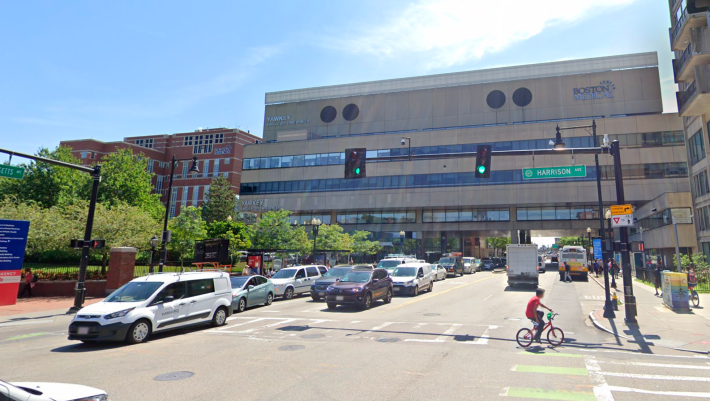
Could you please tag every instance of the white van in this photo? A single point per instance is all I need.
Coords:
(155, 303)
(296, 280)
(389, 263)
(411, 278)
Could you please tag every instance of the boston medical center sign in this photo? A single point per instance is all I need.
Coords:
(605, 89)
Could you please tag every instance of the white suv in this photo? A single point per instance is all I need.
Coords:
(295, 280)
(411, 278)
(155, 303)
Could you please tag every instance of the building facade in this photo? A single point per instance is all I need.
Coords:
(439, 204)
(219, 152)
(690, 41)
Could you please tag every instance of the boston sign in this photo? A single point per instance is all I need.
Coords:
(605, 89)
(555, 172)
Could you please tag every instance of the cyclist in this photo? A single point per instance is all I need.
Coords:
(537, 316)
(692, 279)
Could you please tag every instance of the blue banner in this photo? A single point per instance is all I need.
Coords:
(597, 243)
(13, 241)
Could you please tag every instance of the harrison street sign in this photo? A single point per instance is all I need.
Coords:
(11, 171)
(555, 172)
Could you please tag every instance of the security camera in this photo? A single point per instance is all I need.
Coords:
(403, 142)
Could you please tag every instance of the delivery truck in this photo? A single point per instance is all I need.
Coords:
(522, 267)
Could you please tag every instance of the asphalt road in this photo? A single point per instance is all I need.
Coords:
(456, 343)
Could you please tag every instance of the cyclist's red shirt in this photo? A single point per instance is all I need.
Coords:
(533, 304)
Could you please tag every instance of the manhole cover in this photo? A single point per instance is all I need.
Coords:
(291, 347)
(294, 328)
(432, 314)
(313, 336)
(172, 376)
(387, 340)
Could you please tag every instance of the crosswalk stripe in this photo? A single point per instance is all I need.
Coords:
(253, 329)
(656, 365)
(656, 392)
(656, 377)
(441, 338)
(601, 388)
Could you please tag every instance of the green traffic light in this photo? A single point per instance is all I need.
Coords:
(357, 171)
(481, 169)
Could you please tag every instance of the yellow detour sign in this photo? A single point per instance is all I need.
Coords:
(618, 210)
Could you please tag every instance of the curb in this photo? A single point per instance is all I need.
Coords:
(611, 289)
(602, 328)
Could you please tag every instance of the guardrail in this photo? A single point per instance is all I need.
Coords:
(686, 95)
(678, 27)
(682, 60)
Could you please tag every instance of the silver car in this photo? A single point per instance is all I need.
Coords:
(248, 291)
(439, 272)
(469, 265)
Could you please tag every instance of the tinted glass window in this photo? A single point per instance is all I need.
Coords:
(134, 292)
(312, 271)
(322, 270)
(200, 287)
(301, 273)
(175, 290)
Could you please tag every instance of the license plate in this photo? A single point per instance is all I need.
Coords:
(339, 298)
(397, 289)
(83, 330)
(321, 294)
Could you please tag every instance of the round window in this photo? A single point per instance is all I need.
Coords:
(522, 97)
(328, 114)
(496, 99)
(350, 112)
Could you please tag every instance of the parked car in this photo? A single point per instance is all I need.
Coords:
(363, 267)
(411, 278)
(248, 291)
(155, 303)
(452, 264)
(390, 263)
(37, 391)
(540, 264)
(490, 264)
(320, 286)
(439, 272)
(294, 280)
(360, 287)
(469, 265)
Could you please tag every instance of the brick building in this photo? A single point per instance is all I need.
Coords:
(219, 152)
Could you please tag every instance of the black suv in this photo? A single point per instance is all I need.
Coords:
(360, 287)
(452, 264)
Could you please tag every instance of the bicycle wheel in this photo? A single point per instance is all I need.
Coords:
(695, 299)
(555, 336)
(524, 337)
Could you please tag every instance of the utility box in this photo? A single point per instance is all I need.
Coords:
(675, 291)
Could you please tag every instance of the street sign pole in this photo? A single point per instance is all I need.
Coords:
(677, 250)
(629, 299)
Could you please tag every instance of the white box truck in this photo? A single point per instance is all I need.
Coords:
(522, 265)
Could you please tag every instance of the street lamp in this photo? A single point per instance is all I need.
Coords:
(315, 223)
(401, 237)
(589, 239)
(608, 303)
(163, 246)
(153, 244)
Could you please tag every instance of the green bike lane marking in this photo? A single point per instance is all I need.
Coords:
(538, 393)
(551, 369)
(26, 336)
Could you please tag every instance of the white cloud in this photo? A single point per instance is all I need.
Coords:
(451, 32)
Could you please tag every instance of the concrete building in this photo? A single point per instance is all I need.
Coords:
(690, 41)
(439, 204)
(219, 152)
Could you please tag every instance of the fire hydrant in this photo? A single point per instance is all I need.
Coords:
(616, 301)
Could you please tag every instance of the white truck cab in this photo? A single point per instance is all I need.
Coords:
(155, 303)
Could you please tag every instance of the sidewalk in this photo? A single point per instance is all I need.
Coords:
(42, 304)
(657, 324)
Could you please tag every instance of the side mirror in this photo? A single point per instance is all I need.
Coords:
(168, 299)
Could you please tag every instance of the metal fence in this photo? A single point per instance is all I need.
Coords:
(53, 272)
(649, 275)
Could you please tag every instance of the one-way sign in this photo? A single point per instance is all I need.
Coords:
(624, 220)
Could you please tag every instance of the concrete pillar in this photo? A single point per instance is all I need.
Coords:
(514, 237)
(121, 267)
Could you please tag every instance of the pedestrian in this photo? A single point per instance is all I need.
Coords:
(596, 267)
(246, 271)
(29, 283)
(567, 271)
(659, 278)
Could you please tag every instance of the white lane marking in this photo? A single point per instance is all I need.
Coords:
(269, 311)
(251, 321)
(378, 327)
(503, 392)
(641, 354)
(656, 377)
(656, 365)
(667, 393)
(439, 339)
(483, 340)
(25, 322)
(486, 298)
(320, 308)
(253, 329)
(601, 388)
(355, 321)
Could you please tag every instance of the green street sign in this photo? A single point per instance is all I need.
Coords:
(555, 246)
(554, 172)
(11, 171)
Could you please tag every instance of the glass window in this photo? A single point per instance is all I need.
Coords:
(175, 290)
(298, 161)
(521, 214)
(275, 162)
(562, 213)
(312, 271)
(301, 273)
(452, 215)
(548, 213)
(696, 147)
(439, 216)
(200, 287)
(286, 161)
(534, 213)
(492, 215)
(310, 160)
(466, 215)
(505, 215)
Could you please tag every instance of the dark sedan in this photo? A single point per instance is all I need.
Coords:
(319, 286)
(490, 264)
(360, 287)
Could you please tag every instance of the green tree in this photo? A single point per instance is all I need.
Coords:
(272, 231)
(697, 260)
(574, 241)
(234, 231)
(497, 243)
(220, 202)
(362, 245)
(332, 237)
(46, 184)
(125, 179)
(299, 241)
(50, 229)
(187, 228)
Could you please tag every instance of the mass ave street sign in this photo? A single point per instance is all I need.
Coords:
(555, 172)
(11, 171)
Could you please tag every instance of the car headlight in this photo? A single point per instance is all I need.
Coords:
(117, 315)
(410, 282)
(355, 289)
(102, 397)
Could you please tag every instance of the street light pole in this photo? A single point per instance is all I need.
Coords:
(84, 262)
(153, 244)
(165, 239)
(401, 237)
(316, 224)
(629, 298)
(677, 250)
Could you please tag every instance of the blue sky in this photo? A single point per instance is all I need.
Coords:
(106, 70)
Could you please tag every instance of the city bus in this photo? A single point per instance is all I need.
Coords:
(576, 257)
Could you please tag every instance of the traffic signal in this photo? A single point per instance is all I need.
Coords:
(483, 161)
(637, 246)
(97, 243)
(94, 243)
(355, 163)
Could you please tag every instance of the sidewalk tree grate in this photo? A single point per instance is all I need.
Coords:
(311, 336)
(173, 376)
(432, 314)
(291, 347)
(387, 340)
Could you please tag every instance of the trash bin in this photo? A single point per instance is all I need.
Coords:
(675, 290)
